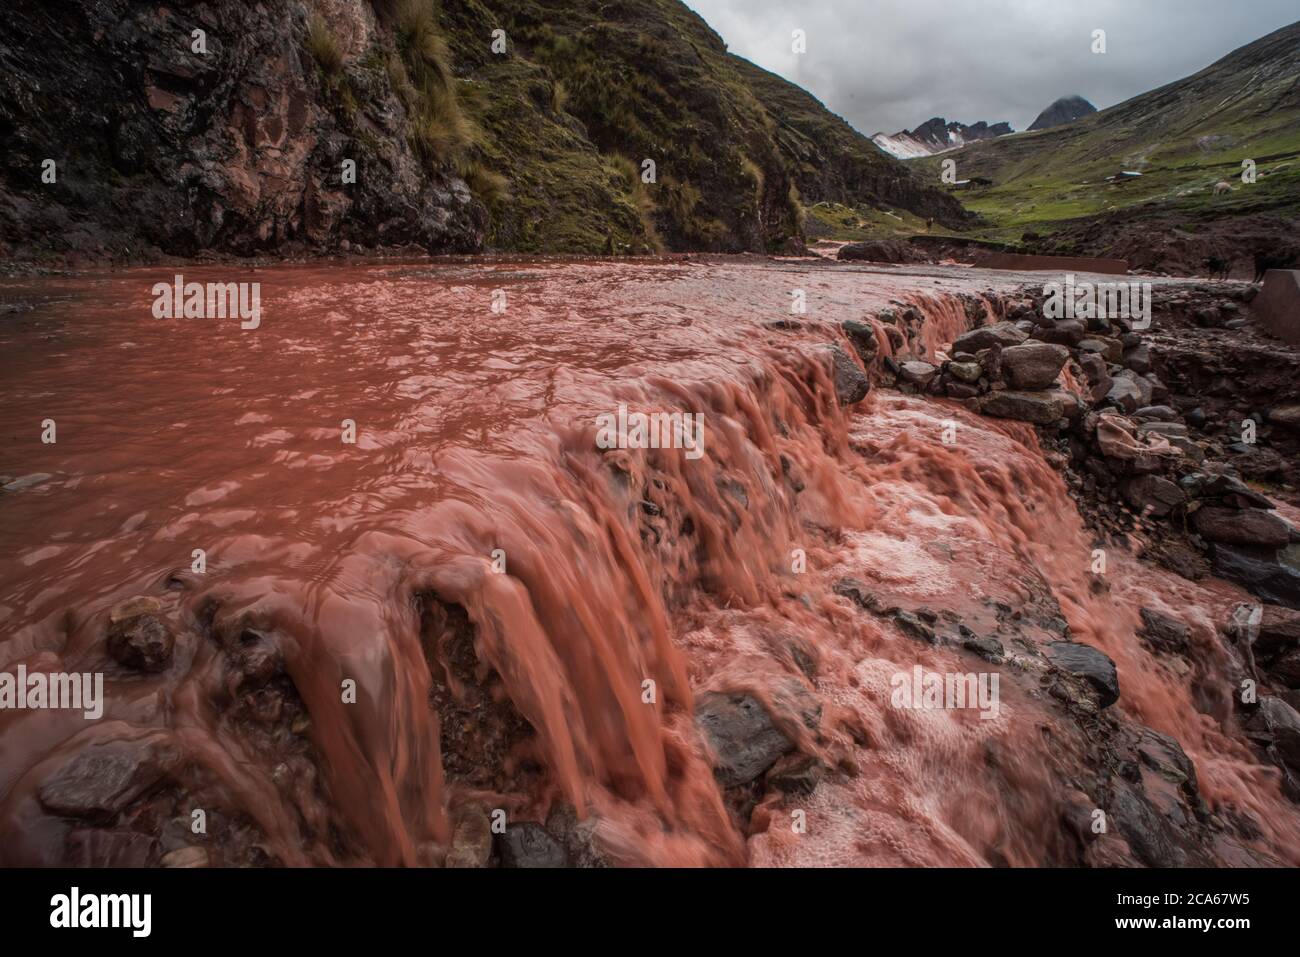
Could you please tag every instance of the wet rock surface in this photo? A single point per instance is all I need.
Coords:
(1087, 662)
(138, 637)
(742, 736)
(530, 845)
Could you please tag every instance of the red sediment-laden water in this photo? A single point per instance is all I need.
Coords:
(403, 570)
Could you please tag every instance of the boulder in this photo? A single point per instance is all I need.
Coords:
(879, 251)
(1275, 723)
(1156, 413)
(1164, 631)
(1087, 662)
(528, 844)
(1064, 332)
(578, 838)
(1033, 365)
(137, 637)
(1041, 408)
(1231, 491)
(1000, 335)
(1242, 526)
(862, 336)
(1153, 494)
(918, 373)
(968, 372)
(1125, 395)
(851, 383)
(1277, 307)
(1138, 359)
(741, 734)
(101, 780)
(1260, 573)
(1279, 629)
(1099, 380)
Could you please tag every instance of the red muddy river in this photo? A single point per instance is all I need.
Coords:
(476, 501)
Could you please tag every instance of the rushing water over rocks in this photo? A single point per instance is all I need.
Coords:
(475, 612)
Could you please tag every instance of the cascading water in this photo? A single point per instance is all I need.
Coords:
(474, 604)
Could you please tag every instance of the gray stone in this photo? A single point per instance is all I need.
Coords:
(1034, 365)
(528, 844)
(968, 372)
(862, 335)
(741, 734)
(1156, 413)
(1164, 631)
(1262, 575)
(1276, 723)
(851, 383)
(1040, 408)
(101, 780)
(917, 373)
(1242, 526)
(999, 335)
(1153, 494)
(1087, 662)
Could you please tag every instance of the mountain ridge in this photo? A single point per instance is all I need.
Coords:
(938, 135)
(457, 143)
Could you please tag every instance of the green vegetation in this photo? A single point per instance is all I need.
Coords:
(440, 130)
(1183, 139)
(590, 88)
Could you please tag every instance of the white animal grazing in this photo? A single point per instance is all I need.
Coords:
(1221, 187)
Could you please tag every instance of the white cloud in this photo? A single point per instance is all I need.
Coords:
(892, 64)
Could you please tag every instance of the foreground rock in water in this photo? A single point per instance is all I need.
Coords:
(1087, 662)
(851, 383)
(742, 735)
(138, 637)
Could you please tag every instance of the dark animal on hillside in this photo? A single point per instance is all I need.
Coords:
(1218, 267)
(1284, 259)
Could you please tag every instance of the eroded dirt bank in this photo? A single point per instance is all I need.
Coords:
(473, 614)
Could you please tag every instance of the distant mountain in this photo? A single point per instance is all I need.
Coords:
(1219, 154)
(1065, 110)
(937, 136)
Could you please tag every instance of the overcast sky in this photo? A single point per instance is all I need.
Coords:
(888, 65)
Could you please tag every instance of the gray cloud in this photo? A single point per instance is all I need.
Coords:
(889, 65)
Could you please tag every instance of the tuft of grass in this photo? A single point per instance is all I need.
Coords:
(559, 96)
(324, 46)
(440, 129)
(488, 185)
(642, 201)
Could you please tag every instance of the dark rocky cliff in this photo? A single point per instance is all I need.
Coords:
(241, 143)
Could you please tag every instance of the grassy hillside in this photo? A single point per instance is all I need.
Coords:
(1183, 138)
(590, 90)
